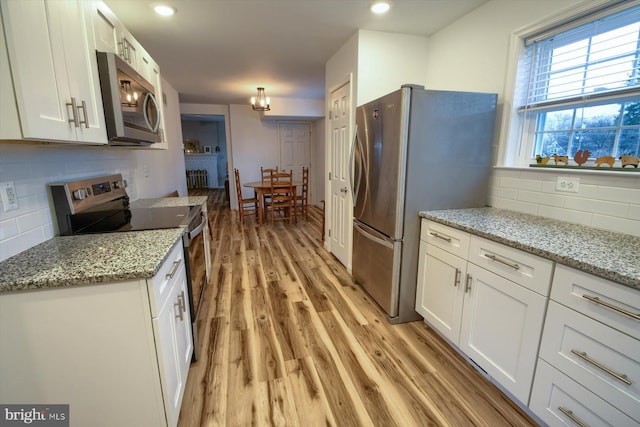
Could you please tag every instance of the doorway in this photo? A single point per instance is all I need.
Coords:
(205, 150)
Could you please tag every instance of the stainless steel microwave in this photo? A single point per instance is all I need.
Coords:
(131, 111)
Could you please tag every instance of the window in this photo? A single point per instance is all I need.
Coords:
(578, 88)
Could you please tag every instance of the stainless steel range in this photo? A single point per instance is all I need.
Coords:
(101, 205)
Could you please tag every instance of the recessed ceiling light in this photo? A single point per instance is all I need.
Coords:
(164, 10)
(380, 7)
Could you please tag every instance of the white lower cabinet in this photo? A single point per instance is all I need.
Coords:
(560, 401)
(501, 328)
(493, 319)
(117, 353)
(589, 362)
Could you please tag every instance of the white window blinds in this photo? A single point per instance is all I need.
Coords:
(593, 62)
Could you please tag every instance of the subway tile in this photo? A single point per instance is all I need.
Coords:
(21, 242)
(521, 184)
(597, 206)
(615, 194)
(8, 228)
(540, 198)
(517, 206)
(503, 193)
(634, 212)
(620, 225)
(566, 215)
(33, 220)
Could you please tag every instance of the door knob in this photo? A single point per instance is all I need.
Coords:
(344, 189)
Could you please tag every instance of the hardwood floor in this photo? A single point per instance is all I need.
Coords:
(291, 340)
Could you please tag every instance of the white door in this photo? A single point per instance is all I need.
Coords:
(295, 147)
(340, 208)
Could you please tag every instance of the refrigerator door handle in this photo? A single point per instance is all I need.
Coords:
(368, 235)
(355, 186)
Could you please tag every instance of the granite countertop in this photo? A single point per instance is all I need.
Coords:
(613, 256)
(88, 259)
(169, 201)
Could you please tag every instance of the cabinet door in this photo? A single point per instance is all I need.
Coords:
(105, 27)
(172, 329)
(38, 68)
(501, 328)
(82, 72)
(440, 290)
(54, 70)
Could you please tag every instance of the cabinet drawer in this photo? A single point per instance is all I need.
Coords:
(528, 270)
(608, 302)
(444, 237)
(160, 284)
(553, 390)
(609, 358)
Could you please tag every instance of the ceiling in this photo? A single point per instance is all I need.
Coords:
(220, 51)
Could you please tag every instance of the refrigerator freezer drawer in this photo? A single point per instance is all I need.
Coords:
(376, 266)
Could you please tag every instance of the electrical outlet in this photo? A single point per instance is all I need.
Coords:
(8, 196)
(567, 185)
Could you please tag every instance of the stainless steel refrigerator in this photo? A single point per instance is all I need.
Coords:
(414, 150)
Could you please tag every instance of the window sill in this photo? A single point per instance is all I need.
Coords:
(572, 169)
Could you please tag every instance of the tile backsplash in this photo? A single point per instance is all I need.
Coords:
(31, 168)
(610, 202)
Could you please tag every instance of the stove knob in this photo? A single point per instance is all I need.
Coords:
(80, 194)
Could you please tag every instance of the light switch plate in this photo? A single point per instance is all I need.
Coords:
(567, 184)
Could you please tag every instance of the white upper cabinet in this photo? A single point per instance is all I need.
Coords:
(51, 55)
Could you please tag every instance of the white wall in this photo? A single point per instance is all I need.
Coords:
(471, 55)
(386, 61)
(32, 166)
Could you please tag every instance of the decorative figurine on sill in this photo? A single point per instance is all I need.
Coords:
(629, 160)
(541, 160)
(560, 159)
(581, 157)
(605, 160)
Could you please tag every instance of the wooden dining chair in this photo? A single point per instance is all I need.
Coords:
(266, 177)
(301, 203)
(246, 206)
(282, 197)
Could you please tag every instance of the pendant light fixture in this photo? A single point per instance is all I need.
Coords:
(261, 101)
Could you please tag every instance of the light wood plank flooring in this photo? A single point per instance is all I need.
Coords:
(291, 340)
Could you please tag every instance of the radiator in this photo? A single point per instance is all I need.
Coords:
(197, 178)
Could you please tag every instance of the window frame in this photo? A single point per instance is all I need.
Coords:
(515, 141)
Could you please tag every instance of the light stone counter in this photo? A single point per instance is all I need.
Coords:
(613, 256)
(169, 201)
(88, 259)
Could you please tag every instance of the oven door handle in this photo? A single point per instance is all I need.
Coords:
(193, 233)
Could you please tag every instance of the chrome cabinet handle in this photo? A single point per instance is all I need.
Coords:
(182, 306)
(573, 418)
(467, 286)
(621, 377)
(501, 261)
(434, 234)
(84, 122)
(456, 280)
(622, 311)
(173, 270)
(74, 113)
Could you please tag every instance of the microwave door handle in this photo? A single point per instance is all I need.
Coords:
(149, 98)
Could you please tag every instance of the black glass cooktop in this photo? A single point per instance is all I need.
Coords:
(115, 218)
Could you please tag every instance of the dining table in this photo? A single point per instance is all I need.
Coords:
(264, 187)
